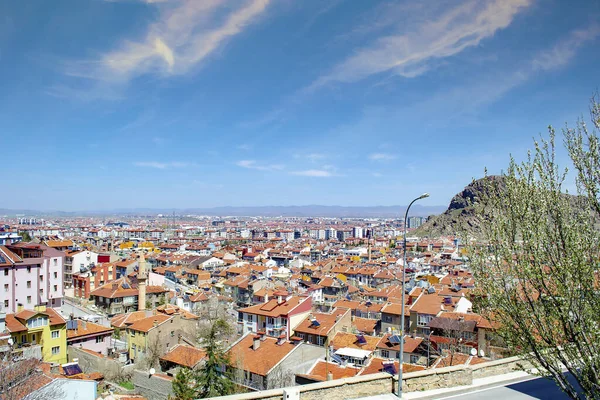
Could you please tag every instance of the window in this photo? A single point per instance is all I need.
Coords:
(464, 349)
(320, 340)
(414, 359)
(172, 333)
(55, 334)
(41, 292)
(6, 272)
(302, 336)
(37, 322)
(6, 303)
(6, 287)
(55, 275)
(28, 299)
(55, 261)
(28, 269)
(28, 284)
(249, 317)
(423, 319)
(56, 288)
(271, 320)
(41, 278)
(55, 350)
(99, 339)
(385, 353)
(387, 318)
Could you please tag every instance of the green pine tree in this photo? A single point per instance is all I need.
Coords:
(184, 387)
(214, 378)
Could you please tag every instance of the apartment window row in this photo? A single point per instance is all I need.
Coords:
(424, 319)
(37, 322)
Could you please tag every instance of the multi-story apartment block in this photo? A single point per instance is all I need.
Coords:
(277, 317)
(30, 275)
(38, 333)
(77, 261)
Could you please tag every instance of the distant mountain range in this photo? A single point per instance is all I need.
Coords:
(264, 211)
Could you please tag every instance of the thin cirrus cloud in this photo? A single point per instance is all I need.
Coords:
(316, 173)
(381, 157)
(252, 164)
(413, 48)
(186, 32)
(163, 165)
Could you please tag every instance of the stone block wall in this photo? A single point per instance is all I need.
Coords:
(383, 383)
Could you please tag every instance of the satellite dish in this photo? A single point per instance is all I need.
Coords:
(481, 353)
(152, 371)
(473, 352)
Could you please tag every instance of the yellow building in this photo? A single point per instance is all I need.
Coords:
(39, 333)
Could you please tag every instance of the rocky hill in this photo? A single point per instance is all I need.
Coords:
(460, 215)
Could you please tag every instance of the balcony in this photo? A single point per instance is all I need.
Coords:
(27, 351)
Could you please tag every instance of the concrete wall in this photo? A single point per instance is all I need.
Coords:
(383, 383)
(152, 387)
(93, 363)
(298, 362)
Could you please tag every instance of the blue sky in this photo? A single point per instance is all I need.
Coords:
(175, 103)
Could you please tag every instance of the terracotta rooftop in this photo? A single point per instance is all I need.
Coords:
(85, 328)
(325, 323)
(273, 309)
(262, 360)
(365, 325)
(184, 355)
(375, 366)
(319, 371)
(350, 340)
(145, 324)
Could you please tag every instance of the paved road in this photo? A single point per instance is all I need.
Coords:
(79, 311)
(537, 388)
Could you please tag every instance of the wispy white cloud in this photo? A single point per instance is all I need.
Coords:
(412, 50)
(382, 157)
(563, 51)
(317, 173)
(186, 32)
(163, 165)
(252, 164)
(245, 147)
(313, 157)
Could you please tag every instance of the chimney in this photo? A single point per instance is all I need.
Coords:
(280, 299)
(155, 323)
(280, 340)
(54, 369)
(256, 343)
(83, 324)
(329, 376)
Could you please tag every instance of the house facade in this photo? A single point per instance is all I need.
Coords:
(30, 276)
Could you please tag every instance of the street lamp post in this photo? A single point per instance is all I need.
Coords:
(401, 355)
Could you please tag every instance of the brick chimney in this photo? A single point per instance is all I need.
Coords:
(256, 343)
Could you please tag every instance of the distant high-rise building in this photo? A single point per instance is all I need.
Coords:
(415, 222)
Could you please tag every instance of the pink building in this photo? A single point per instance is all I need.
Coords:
(30, 275)
(90, 336)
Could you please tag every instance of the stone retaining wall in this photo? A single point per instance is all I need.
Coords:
(382, 383)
